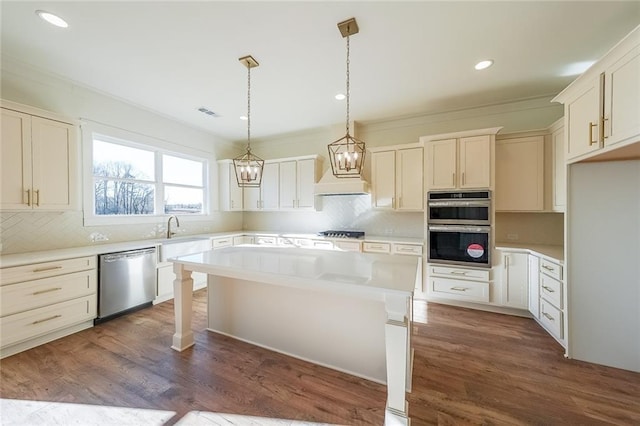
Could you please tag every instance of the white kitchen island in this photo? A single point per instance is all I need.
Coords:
(344, 310)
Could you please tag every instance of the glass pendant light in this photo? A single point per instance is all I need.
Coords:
(347, 153)
(248, 167)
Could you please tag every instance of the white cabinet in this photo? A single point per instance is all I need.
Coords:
(44, 301)
(265, 197)
(230, 193)
(397, 178)
(462, 160)
(552, 299)
(520, 174)
(515, 279)
(297, 177)
(38, 161)
(457, 283)
(559, 167)
(602, 106)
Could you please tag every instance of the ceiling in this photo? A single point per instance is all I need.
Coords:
(409, 57)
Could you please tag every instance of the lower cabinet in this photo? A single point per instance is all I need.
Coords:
(45, 301)
(458, 283)
(552, 300)
(515, 279)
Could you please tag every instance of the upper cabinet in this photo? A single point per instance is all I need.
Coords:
(231, 195)
(520, 174)
(397, 177)
(39, 160)
(297, 177)
(265, 197)
(602, 107)
(462, 160)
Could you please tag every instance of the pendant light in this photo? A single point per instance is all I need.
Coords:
(347, 153)
(248, 167)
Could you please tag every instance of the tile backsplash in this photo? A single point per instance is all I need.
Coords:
(352, 212)
(23, 232)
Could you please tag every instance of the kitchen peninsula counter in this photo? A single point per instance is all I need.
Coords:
(345, 310)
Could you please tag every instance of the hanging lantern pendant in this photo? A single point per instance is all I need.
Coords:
(248, 167)
(347, 153)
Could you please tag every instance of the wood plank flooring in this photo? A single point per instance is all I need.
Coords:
(470, 367)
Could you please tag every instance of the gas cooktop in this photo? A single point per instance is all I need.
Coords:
(342, 234)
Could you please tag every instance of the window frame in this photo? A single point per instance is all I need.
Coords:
(91, 131)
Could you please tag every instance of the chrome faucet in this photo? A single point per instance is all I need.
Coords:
(169, 233)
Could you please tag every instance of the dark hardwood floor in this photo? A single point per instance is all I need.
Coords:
(470, 367)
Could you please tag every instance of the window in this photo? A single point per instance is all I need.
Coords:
(132, 180)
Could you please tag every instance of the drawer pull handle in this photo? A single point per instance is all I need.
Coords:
(459, 288)
(223, 241)
(458, 273)
(47, 291)
(406, 249)
(549, 317)
(46, 319)
(49, 268)
(548, 268)
(549, 289)
(37, 201)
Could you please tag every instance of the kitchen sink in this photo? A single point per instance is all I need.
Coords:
(182, 246)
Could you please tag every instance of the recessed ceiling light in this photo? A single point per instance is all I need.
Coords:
(340, 96)
(243, 117)
(52, 19)
(484, 64)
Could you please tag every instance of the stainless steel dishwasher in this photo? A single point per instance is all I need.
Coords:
(126, 282)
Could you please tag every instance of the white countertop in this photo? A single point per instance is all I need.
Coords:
(18, 259)
(342, 271)
(552, 252)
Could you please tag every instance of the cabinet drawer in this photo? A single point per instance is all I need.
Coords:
(551, 318)
(347, 245)
(222, 242)
(327, 245)
(551, 268)
(26, 325)
(304, 242)
(377, 247)
(34, 294)
(472, 291)
(410, 249)
(36, 271)
(267, 241)
(286, 242)
(551, 290)
(460, 273)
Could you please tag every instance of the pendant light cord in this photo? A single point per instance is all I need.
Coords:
(347, 85)
(248, 107)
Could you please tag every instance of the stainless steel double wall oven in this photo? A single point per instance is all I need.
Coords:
(459, 227)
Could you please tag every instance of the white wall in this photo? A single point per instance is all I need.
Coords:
(23, 232)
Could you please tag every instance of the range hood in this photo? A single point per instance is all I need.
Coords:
(331, 185)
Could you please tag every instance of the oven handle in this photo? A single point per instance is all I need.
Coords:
(461, 203)
(454, 228)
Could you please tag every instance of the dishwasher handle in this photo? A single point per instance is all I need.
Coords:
(133, 254)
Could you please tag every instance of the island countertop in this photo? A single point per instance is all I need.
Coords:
(339, 271)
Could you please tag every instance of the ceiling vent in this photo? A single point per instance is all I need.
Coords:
(208, 112)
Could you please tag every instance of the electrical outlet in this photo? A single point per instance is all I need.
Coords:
(512, 237)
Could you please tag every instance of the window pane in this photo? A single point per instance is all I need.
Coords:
(182, 200)
(181, 171)
(119, 161)
(123, 198)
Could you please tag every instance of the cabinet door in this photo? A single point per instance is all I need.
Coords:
(252, 197)
(306, 170)
(515, 280)
(582, 118)
(235, 191)
(288, 184)
(534, 289)
(270, 186)
(474, 162)
(383, 179)
(54, 156)
(15, 161)
(410, 179)
(441, 164)
(520, 174)
(559, 184)
(622, 99)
